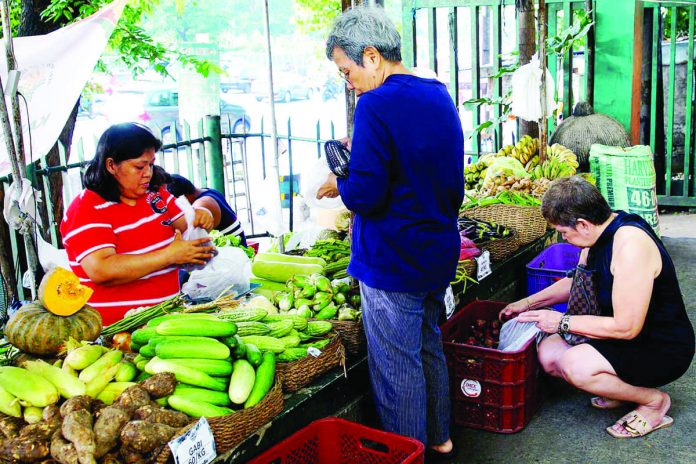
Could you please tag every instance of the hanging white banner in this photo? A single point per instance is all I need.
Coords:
(54, 69)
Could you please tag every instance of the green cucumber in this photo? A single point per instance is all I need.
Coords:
(265, 375)
(202, 394)
(196, 408)
(197, 327)
(214, 367)
(168, 317)
(200, 348)
(253, 355)
(126, 372)
(142, 336)
(279, 257)
(185, 374)
(242, 381)
(279, 271)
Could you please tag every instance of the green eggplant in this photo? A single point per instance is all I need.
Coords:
(308, 292)
(299, 302)
(319, 306)
(323, 283)
(304, 311)
(319, 344)
(347, 313)
(301, 280)
(320, 296)
(339, 298)
(355, 301)
(286, 302)
(328, 312)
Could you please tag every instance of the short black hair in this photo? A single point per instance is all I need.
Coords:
(120, 142)
(179, 185)
(571, 198)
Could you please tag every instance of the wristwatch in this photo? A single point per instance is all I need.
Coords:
(564, 325)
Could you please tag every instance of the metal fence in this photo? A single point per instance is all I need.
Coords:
(668, 97)
(467, 42)
(191, 157)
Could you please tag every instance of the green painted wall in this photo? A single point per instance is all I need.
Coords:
(614, 58)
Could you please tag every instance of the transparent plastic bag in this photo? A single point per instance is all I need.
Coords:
(231, 268)
(191, 233)
(526, 91)
(504, 167)
(316, 176)
(514, 335)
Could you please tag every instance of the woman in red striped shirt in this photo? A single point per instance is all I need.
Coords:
(122, 233)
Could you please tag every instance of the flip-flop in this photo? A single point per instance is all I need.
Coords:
(636, 425)
(601, 402)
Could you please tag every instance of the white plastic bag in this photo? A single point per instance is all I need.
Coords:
(50, 256)
(230, 268)
(526, 91)
(19, 200)
(316, 177)
(514, 334)
(191, 233)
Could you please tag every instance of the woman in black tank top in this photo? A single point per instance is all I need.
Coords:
(642, 338)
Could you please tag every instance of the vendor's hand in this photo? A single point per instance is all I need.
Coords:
(513, 309)
(329, 189)
(346, 142)
(198, 251)
(204, 218)
(546, 320)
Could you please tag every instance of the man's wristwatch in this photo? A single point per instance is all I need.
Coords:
(564, 325)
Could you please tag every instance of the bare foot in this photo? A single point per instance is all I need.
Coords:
(445, 447)
(653, 411)
(600, 402)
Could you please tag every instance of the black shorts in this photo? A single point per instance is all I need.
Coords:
(645, 364)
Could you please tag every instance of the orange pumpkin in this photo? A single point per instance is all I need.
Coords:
(62, 293)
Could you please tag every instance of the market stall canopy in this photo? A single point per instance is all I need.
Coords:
(53, 70)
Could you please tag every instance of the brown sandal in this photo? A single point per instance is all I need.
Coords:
(636, 425)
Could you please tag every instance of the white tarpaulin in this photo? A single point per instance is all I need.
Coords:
(53, 71)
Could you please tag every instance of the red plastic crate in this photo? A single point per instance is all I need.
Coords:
(339, 441)
(491, 389)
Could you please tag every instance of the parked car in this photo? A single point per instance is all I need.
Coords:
(286, 87)
(161, 111)
(238, 83)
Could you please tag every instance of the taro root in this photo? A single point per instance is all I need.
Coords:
(41, 430)
(107, 429)
(131, 457)
(143, 437)
(152, 413)
(62, 450)
(77, 428)
(10, 426)
(160, 385)
(111, 458)
(133, 398)
(25, 449)
(75, 403)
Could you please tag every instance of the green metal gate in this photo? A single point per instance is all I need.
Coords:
(466, 42)
(669, 100)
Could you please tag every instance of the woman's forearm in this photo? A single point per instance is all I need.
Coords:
(116, 269)
(556, 293)
(603, 327)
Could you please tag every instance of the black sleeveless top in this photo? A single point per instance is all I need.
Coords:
(667, 336)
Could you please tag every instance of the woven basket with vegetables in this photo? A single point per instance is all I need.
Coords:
(232, 429)
(517, 211)
(301, 368)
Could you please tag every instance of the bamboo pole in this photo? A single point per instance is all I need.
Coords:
(274, 126)
(14, 142)
(543, 123)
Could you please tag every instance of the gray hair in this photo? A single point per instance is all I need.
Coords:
(362, 27)
(571, 198)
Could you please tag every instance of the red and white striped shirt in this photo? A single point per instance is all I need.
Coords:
(92, 223)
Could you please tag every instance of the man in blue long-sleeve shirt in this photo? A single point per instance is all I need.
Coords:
(405, 186)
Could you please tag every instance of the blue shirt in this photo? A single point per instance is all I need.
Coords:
(405, 184)
(229, 224)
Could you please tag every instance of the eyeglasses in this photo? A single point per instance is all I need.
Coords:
(344, 76)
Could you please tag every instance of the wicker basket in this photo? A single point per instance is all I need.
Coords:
(503, 247)
(297, 374)
(352, 336)
(232, 429)
(469, 266)
(527, 221)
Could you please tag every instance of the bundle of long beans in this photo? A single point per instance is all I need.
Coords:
(139, 318)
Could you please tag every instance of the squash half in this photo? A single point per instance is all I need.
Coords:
(62, 293)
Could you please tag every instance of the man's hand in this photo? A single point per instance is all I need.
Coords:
(546, 320)
(329, 189)
(203, 218)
